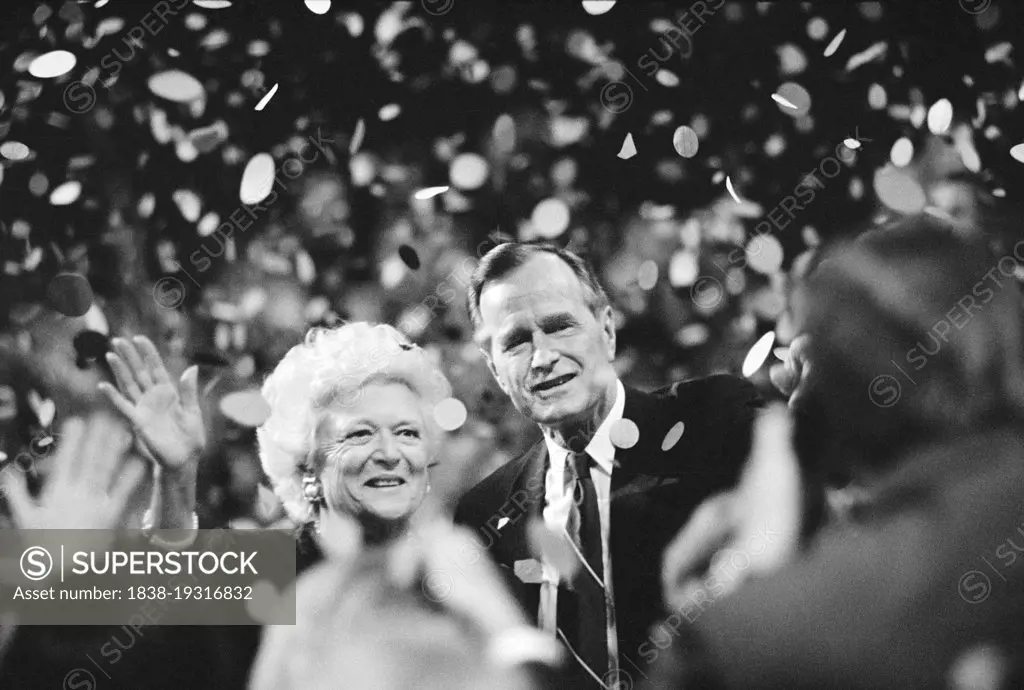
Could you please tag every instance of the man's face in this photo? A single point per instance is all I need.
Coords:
(546, 349)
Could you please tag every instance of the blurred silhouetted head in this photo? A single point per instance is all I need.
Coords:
(915, 337)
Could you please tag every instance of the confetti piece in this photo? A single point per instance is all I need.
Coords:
(998, 52)
(188, 203)
(211, 4)
(597, 7)
(469, 171)
(14, 150)
(666, 78)
(177, 86)
(450, 414)
(782, 101)
(1018, 153)
(257, 180)
(899, 191)
(624, 434)
(96, 321)
(247, 408)
(877, 97)
(647, 276)
(865, 56)
(266, 99)
(902, 152)
(550, 218)
(683, 269)
(52, 64)
(693, 335)
(731, 190)
(940, 116)
(628, 149)
(673, 436)
(685, 142)
(319, 6)
(758, 354)
(852, 144)
(357, 137)
(70, 294)
(431, 192)
(389, 112)
(781, 353)
(66, 194)
(834, 44)
(817, 29)
(765, 254)
(409, 257)
(792, 60)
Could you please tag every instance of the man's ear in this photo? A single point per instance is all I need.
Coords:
(607, 320)
(491, 368)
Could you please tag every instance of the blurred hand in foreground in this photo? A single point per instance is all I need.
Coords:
(91, 483)
(791, 376)
(759, 519)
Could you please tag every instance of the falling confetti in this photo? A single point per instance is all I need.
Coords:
(765, 254)
(409, 257)
(624, 434)
(70, 294)
(902, 152)
(211, 4)
(188, 203)
(795, 98)
(834, 44)
(673, 436)
(940, 116)
(389, 112)
(357, 137)
(469, 171)
(628, 149)
(685, 142)
(550, 218)
(52, 64)
(864, 57)
(450, 414)
(257, 180)
(899, 191)
(266, 99)
(14, 150)
(731, 190)
(66, 194)
(758, 354)
(247, 408)
(782, 101)
(177, 86)
(1018, 153)
(851, 144)
(597, 7)
(431, 192)
(319, 6)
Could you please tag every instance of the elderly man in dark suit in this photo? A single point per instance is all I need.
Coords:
(618, 472)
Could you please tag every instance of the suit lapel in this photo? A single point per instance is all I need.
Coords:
(523, 502)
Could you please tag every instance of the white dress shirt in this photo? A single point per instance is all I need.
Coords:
(557, 505)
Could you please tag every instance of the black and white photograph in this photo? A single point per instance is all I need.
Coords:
(523, 345)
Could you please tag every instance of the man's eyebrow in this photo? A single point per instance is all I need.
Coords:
(559, 319)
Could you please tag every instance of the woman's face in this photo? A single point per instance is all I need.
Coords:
(375, 453)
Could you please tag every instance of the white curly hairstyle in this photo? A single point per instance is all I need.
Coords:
(330, 368)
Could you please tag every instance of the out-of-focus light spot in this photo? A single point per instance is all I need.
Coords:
(257, 179)
(550, 218)
(940, 116)
(597, 7)
(624, 433)
(902, 152)
(647, 276)
(764, 254)
(899, 191)
(795, 99)
(362, 169)
(1018, 153)
(685, 142)
(998, 52)
(817, 28)
(834, 44)
(389, 112)
(52, 64)
(357, 137)
(450, 414)
(66, 194)
(628, 149)
(791, 59)
(431, 192)
(758, 354)
(683, 269)
(693, 335)
(468, 171)
(877, 98)
(188, 203)
(666, 78)
(208, 224)
(266, 99)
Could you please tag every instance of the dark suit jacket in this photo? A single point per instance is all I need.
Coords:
(653, 493)
(892, 600)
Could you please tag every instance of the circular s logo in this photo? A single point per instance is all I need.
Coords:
(974, 587)
(36, 563)
(884, 390)
(616, 97)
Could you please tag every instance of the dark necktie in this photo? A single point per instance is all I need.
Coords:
(582, 617)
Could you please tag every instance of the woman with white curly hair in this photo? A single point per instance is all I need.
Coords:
(351, 431)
